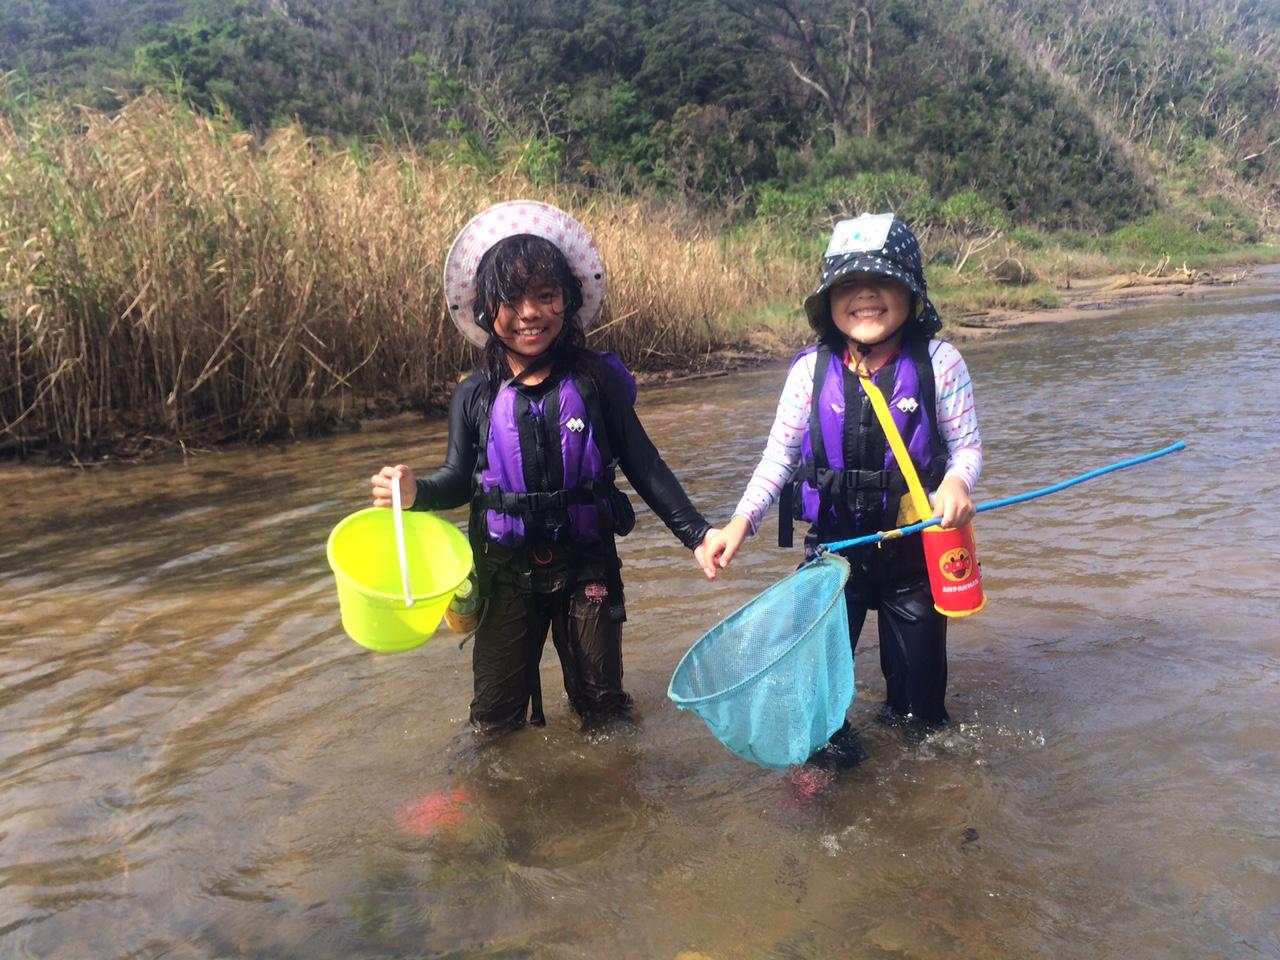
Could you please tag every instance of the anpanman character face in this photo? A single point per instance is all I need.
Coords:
(956, 564)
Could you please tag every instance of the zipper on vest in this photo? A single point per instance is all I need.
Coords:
(541, 443)
(864, 434)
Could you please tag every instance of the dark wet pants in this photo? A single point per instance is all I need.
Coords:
(521, 606)
(892, 580)
(913, 650)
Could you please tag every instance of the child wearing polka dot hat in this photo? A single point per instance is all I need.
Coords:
(827, 459)
(535, 435)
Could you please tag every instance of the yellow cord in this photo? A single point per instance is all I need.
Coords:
(919, 498)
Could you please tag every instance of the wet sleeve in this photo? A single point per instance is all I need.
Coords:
(450, 486)
(646, 469)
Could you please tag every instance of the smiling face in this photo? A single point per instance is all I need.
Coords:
(531, 324)
(956, 564)
(868, 308)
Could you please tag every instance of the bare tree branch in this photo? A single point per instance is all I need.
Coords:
(802, 33)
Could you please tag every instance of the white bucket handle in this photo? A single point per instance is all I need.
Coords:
(397, 513)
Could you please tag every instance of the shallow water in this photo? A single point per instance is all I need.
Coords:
(195, 762)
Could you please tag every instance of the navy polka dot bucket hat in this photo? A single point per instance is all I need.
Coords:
(879, 244)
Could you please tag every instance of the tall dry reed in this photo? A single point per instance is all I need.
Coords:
(167, 277)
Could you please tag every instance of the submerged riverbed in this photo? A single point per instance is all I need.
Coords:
(195, 762)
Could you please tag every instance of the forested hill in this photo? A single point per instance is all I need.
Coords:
(1059, 114)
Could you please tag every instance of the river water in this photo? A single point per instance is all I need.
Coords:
(195, 762)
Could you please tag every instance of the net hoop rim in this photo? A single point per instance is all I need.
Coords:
(685, 703)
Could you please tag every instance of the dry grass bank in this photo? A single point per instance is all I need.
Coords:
(167, 278)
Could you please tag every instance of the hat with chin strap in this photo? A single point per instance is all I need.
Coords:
(877, 244)
(512, 219)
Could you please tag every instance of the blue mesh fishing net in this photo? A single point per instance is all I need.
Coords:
(772, 681)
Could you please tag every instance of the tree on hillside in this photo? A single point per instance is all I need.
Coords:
(1195, 83)
(830, 47)
(1064, 113)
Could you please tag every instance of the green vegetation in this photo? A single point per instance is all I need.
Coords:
(250, 199)
(1064, 115)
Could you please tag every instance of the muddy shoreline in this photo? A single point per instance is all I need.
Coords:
(1107, 294)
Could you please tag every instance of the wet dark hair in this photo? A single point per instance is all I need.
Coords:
(506, 272)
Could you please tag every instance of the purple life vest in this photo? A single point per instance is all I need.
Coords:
(547, 472)
(849, 482)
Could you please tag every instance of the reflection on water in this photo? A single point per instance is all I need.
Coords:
(195, 762)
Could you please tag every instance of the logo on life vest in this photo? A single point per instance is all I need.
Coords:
(907, 405)
(956, 564)
(576, 425)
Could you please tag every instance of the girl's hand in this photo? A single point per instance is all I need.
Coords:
(381, 483)
(951, 502)
(718, 548)
(703, 556)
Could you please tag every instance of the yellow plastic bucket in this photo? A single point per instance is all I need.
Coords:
(362, 554)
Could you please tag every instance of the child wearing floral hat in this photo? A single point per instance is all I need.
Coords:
(873, 318)
(535, 434)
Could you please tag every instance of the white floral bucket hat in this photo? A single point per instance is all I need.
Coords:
(511, 219)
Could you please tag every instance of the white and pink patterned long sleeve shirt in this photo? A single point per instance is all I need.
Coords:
(956, 418)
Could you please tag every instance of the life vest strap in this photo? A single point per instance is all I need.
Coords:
(530, 503)
(839, 482)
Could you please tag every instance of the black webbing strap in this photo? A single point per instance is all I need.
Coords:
(533, 678)
(849, 481)
(787, 514)
(538, 502)
(822, 360)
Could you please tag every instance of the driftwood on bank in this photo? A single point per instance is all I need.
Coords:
(1161, 276)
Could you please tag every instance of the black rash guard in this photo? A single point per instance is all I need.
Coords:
(451, 485)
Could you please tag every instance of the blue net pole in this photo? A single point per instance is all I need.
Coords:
(1006, 502)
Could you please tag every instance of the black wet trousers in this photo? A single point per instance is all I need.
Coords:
(913, 649)
(892, 580)
(513, 631)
